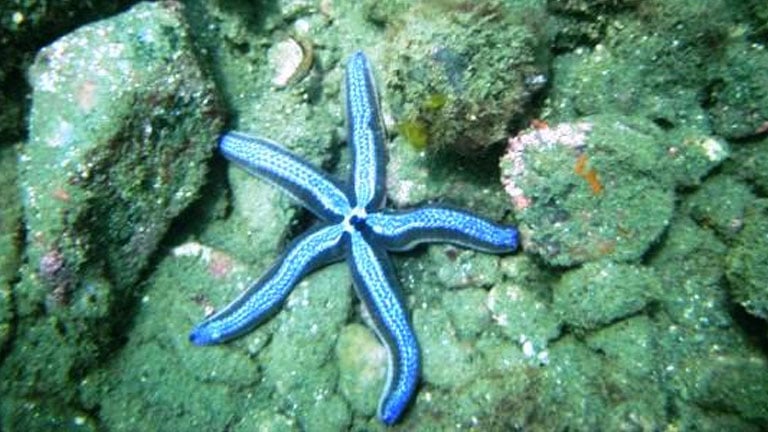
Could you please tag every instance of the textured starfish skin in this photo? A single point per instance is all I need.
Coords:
(355, 227)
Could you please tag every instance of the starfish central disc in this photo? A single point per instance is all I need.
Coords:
(355, 220)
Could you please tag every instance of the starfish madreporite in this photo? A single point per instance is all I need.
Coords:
(355, 227)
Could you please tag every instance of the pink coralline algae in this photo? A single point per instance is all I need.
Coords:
(53, 272)
(573, 135)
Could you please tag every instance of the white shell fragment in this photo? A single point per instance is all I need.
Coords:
(290, 62)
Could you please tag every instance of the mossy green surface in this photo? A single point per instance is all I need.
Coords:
(10, 240)
(360, 376)
(721, 204)
(732, 384)
(121, 126)
(454, 82)
(739, 94)
(156, 375)
(747, 270)
(692, 269)
(124, 149)
(586, 193)
(582, 189)
(25, 27)
(621, 290)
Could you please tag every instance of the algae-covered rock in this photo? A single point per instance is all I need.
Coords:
(602, 292)
(299, 362)
(601, 187)
(122, 123)
(749, 163)
(262, 213)
(583, 190)
(570, 389)
(25, 26)
(523, 315)
(461, 75)
(721, 203)
(739, 97)
(690, 265)
(608, 382)
(362, 366)
(158, 373)
(468, 311)
(583, 22)
(732, 384)
(609, 79)
(415, 177)
(636, 58)
(446, 361)
(458, 268)
(630, 366)
(747, 270)
(284, 372)
(494, 397)
(692, 154)
(10, 231)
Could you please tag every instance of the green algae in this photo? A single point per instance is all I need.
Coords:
(10, 234)
(25, 27)
(746, 269)
(468, 311)
(454, 87)
(569, 216)
(750, 164)
(621, 290)
(721, 204)
(360, 376)
(691, 262)
(739, 94)
(118, 141)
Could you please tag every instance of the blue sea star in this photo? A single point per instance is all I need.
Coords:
(355, 227)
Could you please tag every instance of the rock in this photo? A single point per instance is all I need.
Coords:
(582, 190)
(298, 363)
(362, 367)
(10, 231)
(630, 366)
(24, 28)
(739, 95)
(459, 76)
(749, 164)
(523, 315)
(569, 392)
(262, 214)
(139, 387)
(721, 203)
(122, 124)
(457, 268)
(468, 311)
(602, 292)
(690, 260)
(729, 384)
(746, 268)
(446, 361)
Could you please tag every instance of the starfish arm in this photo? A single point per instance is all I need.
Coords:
(404, 230)
(365, 133)
(264, 297)
(373, 276)
(268, 160)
